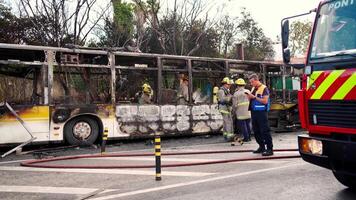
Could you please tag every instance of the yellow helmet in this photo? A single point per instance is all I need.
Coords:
(226, 80)
(240, 81)
(146, 88)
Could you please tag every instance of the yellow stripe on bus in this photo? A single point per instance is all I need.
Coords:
(313, 77)
(345, 88)
(34, 113)
(14, 120)
(326, 84)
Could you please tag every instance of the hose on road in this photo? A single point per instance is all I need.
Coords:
(43, 163)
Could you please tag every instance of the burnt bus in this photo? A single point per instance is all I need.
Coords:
(73, 94)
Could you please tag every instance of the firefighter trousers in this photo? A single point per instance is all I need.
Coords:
(228, 129)
(244, 128)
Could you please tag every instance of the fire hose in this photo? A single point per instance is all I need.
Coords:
(43, 163)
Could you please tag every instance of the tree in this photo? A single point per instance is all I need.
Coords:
(256, 45)
(299, 37)
(17, 30)
(182, 30)
(118, 31)
(8, 25)
(227, 29)
(202, 42)
(56, 22)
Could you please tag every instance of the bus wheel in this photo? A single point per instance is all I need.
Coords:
(345, 179)
(81, 131)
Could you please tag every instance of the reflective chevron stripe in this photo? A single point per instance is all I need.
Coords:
(326, 84)
(345, 88)
(313, 77)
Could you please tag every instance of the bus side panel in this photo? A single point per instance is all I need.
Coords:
(143, 120)
(36, 119)
(63, 113)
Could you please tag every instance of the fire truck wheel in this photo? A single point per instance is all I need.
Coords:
(347, 180)
(81, 131)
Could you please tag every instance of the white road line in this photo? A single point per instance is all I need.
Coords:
(54, 190)
(286, 152)
(14, 161)
(107, 171)
(184, 160)
(190, 183)
(17, 161)
(163, 158)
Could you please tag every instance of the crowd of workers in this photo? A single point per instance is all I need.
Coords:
(245, 105)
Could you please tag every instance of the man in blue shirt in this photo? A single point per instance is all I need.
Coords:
(259, 107)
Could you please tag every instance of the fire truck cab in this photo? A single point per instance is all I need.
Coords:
(327, 100)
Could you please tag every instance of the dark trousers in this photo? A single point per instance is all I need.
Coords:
(261, 129)
(244, 127)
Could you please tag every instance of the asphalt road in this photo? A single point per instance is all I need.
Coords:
(267, 179)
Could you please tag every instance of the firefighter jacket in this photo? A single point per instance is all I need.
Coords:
(241, 103)
(224, 100)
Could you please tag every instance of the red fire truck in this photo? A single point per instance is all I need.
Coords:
(327, 101)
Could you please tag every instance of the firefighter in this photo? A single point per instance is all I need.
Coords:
(259, 106)
(225, 105)
(183, 94)
(240, 106)
(146, 96)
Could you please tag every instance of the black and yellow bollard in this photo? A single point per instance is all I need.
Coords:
(158, 157)
(103, 142)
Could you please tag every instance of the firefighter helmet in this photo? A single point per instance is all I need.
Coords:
(146, 88)
(240, 81)
(226, 80)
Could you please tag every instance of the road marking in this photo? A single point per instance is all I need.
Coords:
(164, 159)
(129, 151)
(191, 183)
(107, 171)
(186, 160)
(54, 190)
(14, 161)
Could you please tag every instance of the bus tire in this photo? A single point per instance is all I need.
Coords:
(81, 130)
(347, 180)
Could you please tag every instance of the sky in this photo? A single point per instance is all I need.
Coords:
(269, 13)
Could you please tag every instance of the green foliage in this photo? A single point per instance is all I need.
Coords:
(227, 29)
(119, 31)
(299, 37)
(123, 16)
(15, 29)
(207, 39)
(256, 45)
(8, 25)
